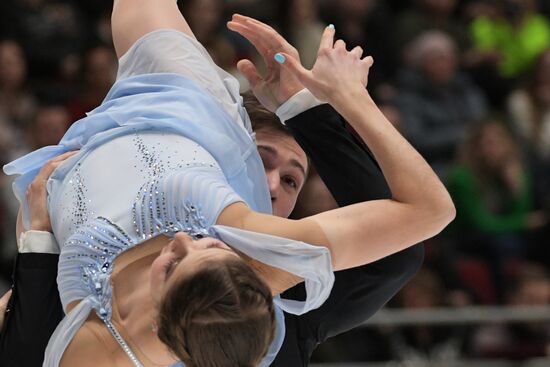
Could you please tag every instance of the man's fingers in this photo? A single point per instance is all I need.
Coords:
(4, 306)
(340, 44)
(368, 61)
(4, 301)
(327, 40)
(52, 164)
(250, 72)
(64, 156)
(357, 52)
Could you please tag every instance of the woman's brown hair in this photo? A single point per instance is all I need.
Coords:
(222, 315)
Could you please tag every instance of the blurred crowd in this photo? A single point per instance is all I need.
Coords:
(467, 82)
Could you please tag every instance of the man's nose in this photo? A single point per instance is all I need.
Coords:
(273, 182)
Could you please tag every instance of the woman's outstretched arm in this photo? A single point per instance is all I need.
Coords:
(132, 19)
(358, 234)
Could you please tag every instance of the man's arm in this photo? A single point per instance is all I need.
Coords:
(34, 307)
(34, 310)
(352, 175)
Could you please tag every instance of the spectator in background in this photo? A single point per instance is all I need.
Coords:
(493, 193)
(49, 32)
(366, 23)
(16, 102)
(428, 15)
(301, 26)
(544, 7)
(530, 287)
(507, 38)
(436, 101)
(426, 344)
(529, 109)
(98, 75)
(517, 32)
(48, 126)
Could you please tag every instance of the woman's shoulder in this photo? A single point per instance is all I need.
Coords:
(90, 346)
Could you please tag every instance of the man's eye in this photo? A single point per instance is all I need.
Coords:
(290, 182)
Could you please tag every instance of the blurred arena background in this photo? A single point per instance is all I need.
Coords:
(467, 82)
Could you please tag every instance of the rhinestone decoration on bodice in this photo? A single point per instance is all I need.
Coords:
(87, 257)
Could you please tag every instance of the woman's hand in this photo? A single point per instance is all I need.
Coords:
(336, 73)
(36, 194)
(279, 84)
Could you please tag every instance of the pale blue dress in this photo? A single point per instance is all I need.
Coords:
(165, 152)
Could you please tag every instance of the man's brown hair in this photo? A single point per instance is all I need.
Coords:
(260, 117)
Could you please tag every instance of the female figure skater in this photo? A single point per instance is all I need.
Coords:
(168, 169)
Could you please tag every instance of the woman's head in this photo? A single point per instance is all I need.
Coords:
(213, 310)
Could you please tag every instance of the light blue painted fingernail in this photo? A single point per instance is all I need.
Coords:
(331, 26)
(280, 58)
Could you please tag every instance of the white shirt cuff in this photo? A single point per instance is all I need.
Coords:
(295, 105)
(38, 242)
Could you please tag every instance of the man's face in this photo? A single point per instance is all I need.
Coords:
(285, 166)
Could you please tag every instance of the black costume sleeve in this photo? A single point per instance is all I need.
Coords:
(352, 175)
(35, 310)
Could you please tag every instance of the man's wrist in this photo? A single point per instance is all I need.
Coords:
(297, 104)
(37, 242)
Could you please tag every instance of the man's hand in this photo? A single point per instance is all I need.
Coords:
(3, 306)
(279, 84)
(36, 195)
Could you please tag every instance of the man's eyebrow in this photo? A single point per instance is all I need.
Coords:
(293, 162)
(298, 165)
(268, 149)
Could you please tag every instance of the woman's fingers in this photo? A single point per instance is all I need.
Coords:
(254, 22)
(250, 35)
(258, 28)
(250, 72)
(263, 37)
